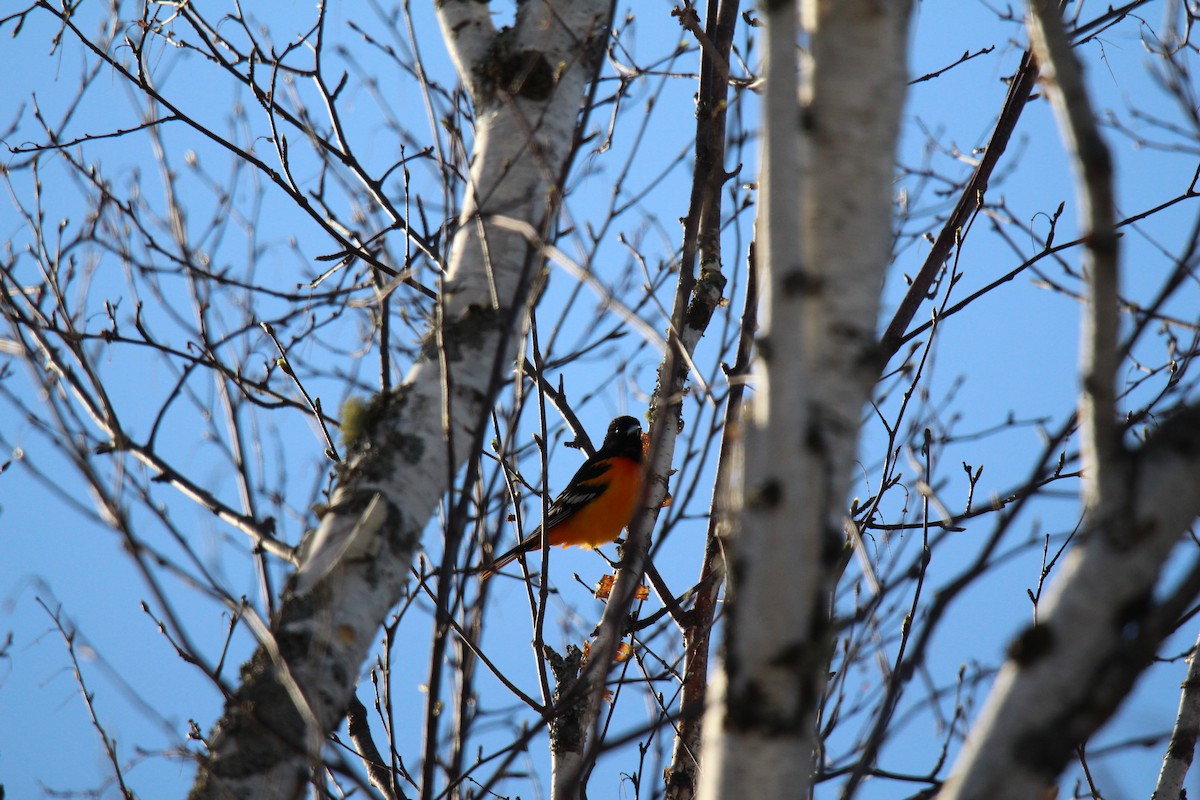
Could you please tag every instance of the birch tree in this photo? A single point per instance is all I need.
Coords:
(825, 238)
(310, 311)
(1100, 624)
(526, 86)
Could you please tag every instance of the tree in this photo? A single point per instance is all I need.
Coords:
(457, 254)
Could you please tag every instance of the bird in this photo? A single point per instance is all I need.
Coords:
(598, 502)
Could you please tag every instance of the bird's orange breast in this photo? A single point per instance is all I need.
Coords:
(603, 519)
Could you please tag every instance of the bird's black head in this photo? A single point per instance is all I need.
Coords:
(624, 437)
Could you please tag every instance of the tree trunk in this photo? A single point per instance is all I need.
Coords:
(528, 84)
(824, 236)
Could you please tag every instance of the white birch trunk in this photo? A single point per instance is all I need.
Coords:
(528, 85)
(825, 236)
(1101, 622)
(1182, 748)
(1097, 630)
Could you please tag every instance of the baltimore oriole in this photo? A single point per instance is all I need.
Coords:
(598, 502)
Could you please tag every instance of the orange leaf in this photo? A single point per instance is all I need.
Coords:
(604, 587)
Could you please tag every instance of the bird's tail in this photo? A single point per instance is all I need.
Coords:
(531, 542)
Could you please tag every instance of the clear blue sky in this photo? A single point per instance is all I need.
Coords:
(1011, 353)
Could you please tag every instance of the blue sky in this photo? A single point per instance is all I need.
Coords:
(1012, 352)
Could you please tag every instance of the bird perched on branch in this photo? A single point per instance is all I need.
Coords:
(598, 502)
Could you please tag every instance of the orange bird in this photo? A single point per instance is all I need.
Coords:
(598, 502)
